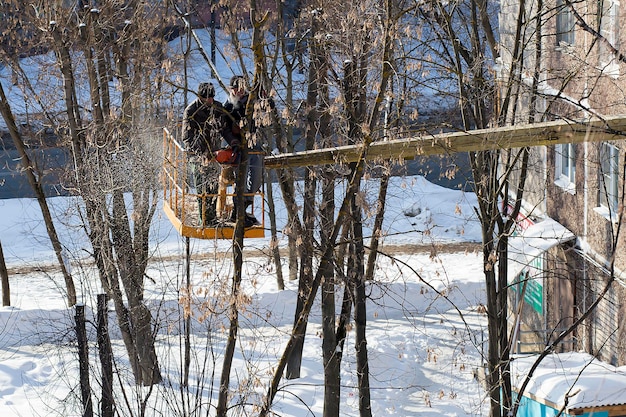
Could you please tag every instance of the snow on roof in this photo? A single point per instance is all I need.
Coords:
(533, 241)
(572, 380)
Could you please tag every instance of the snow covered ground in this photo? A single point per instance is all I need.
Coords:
(422, 351)
(425, 333)
(423, 354)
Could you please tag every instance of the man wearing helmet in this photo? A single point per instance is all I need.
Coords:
(204, 125)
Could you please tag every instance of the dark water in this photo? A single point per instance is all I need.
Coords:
(14, 182)
(448, 171)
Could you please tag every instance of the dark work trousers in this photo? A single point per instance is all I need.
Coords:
(205, 181)
(254, 178)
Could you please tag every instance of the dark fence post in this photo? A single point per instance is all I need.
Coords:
(83, 360)
(4, 276)
(106, 356)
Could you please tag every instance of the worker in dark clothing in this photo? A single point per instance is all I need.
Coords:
(205, 124)
(235, 106)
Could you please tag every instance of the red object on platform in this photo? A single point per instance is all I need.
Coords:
(226, 156)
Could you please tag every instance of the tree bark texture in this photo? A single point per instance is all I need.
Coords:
(275, 250)
(106, 357)
(331, 357)
(356, 275)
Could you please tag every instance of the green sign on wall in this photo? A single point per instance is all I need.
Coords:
(534, 295)
(532, 275)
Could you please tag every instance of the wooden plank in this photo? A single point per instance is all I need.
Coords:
(517, 136)
(612, 410)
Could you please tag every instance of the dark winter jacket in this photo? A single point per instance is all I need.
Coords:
(204, 126)
(236, 110)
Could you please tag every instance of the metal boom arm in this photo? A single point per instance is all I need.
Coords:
(516, 136)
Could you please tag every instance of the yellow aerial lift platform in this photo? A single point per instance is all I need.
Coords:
(180, 201)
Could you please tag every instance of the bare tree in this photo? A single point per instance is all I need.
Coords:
(468, 52)
(315, 77)
(110, 61)
(364, 121)
(33, 175)
(500, 84)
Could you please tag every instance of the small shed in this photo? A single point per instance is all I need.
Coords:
(573, 384)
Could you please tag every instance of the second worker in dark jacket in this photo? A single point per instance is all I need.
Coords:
(235, 106)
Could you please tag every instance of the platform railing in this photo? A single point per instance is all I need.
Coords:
(180, 201)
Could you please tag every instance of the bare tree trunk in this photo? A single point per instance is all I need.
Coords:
(357, 276)
(280, 282)
(382, 199)
(106, 357)
(187, 314)
(493, 356)
(131, 266)
(4, 276)
(308, 211)
(332, 375)
(483, 164)
(103, 251)
(148, 360)
(233, 309)
(293, 229)
(30, 169)
(331, 355)
(354, 85)
(292, 246)
(306, 273)
(238, 236)
(378, 224)
(503, 339)
(284, 143)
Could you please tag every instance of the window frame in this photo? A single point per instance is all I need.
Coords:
(608, 180)
(565, 25)
(608, 22)
(565, 164)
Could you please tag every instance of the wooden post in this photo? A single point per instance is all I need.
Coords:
(4, 276)
(83, 360)
(106, 357)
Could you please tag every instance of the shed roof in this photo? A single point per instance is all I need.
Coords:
(573, 381)
(532, 242)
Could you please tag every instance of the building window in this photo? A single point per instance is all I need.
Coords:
(564, 24)
(566, 166)
(608, 21)
(609, 179)
(605, 323)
